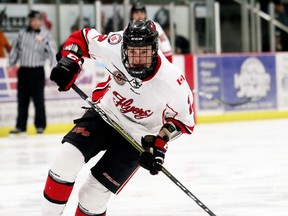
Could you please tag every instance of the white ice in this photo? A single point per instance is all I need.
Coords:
(235, 169)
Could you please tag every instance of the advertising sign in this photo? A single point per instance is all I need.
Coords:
(209, 81)
(249, 77)
(238, 78)
(282, 80)
(61, 107)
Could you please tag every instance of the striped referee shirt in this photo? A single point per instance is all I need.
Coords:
(32, 48)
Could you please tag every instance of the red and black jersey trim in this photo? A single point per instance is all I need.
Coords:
(80, 38)
(86, 30)
(100, 90)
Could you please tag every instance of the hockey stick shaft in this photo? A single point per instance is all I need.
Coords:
(211, 97)
(135, 144)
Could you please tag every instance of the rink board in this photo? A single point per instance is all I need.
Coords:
(229, 77)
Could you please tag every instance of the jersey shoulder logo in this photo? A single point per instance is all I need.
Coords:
(114, 39)
(180, 80)
(119, 78)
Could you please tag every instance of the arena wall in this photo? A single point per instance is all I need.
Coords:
(230, 78)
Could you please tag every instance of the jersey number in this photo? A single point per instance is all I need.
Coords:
(101, 37)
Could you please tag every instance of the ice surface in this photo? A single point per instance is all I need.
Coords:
(235, 169)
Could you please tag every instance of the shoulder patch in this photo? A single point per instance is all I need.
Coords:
(180, 80)
(114, 39)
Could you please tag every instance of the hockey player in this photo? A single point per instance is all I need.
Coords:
(138, 12)
(143, 92)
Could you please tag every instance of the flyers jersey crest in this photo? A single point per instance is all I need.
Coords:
(119, 78)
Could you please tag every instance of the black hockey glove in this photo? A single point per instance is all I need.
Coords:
(153, 157)
(66, 71)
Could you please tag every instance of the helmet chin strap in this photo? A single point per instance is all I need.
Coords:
(137, 72)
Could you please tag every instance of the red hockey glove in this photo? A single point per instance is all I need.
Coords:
(153, 157)
(67, 70)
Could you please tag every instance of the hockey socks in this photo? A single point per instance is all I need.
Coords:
(57, 192)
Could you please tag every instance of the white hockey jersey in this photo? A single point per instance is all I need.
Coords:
(139, 107)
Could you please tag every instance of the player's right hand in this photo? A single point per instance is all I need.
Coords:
(153, 156)
(66, 71)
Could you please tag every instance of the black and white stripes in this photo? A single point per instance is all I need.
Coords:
(32, 48)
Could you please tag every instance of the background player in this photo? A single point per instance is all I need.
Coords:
(138, 12)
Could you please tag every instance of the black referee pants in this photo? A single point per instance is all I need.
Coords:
(31, 82)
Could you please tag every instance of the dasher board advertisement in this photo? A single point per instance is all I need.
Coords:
(236, 78)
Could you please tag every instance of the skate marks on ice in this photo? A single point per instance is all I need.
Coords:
(235, 169)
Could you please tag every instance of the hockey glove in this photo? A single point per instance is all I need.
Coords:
(153, 157)
(66, 71)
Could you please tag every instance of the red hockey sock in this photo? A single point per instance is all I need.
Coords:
(79, 212)
(57, 192)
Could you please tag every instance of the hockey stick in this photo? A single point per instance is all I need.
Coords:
(137, 146)
(211, 97)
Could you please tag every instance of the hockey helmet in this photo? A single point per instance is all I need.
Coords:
(140, 34)
(137, 6)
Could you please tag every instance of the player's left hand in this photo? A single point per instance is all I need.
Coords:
(67, 70)
(153, 157)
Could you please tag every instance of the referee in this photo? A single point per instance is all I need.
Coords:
(31, 48)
